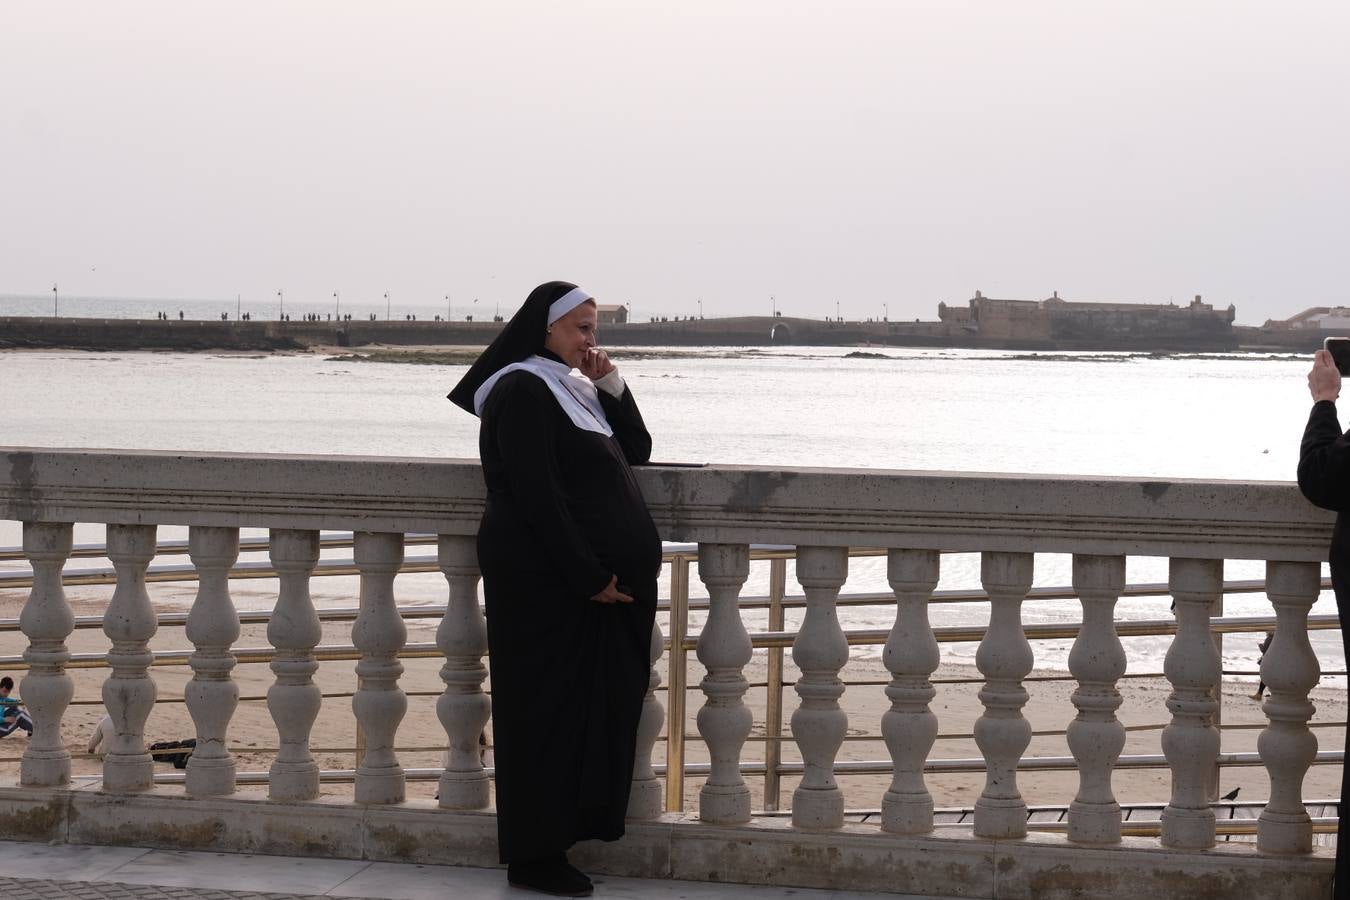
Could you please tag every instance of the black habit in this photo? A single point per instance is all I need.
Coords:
(568, 674)
(1324, 478)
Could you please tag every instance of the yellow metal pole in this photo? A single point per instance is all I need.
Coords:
(773, 702)
(678, 679)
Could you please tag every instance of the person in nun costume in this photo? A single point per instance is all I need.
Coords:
(569, 557)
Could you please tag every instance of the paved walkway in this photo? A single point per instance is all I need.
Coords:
(71, 872)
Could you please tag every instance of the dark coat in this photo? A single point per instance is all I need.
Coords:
(568, 674)
(1324, 478)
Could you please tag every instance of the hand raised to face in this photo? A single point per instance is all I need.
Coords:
(595, 364)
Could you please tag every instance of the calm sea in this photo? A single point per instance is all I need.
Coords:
(1231, 417)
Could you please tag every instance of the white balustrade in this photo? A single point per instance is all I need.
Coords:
(129, 692)
(645, 797)
(909, 726)
(1190, 741)
(1288, 747)
(1004, 658)
(1095, 736)
(213, 627)
(379, 633)
(294, 699)
(463, 708)
(717, 506)
(47, 621)
(819, 725)
(724, 648)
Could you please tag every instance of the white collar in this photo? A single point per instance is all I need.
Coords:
(575, 394)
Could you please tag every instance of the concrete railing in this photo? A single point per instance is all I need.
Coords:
(823, 512)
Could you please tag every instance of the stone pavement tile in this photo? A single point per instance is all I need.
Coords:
(237, 871)
(657, 889)
(392, 881)
(68, 862)
(401, 881)
(29, 889)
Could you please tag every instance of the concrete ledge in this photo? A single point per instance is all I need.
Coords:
(951, 862)
(721, 504)
(1046, 866)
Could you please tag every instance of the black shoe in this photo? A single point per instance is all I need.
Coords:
(549, 877)
(577, 872)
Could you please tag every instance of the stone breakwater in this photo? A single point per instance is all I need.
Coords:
(746, 331)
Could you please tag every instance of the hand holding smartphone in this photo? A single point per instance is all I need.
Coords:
(1339, 348)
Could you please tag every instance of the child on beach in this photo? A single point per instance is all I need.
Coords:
(102, 738)
(12, 713)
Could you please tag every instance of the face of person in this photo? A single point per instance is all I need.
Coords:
(573, 336)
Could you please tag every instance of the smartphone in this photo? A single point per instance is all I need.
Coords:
(1339, 348)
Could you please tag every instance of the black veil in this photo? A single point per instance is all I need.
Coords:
(522, 337)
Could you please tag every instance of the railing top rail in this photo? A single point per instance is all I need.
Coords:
(722, 504)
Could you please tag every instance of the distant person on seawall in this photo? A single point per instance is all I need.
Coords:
(569, 556)
(1324, 478)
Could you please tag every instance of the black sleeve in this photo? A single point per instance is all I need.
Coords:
(1324, 460)
(629, 430)
(524, 421)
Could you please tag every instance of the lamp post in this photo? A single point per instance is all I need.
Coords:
(837, 317)
(700, 307)
(773, 304)
(281, 299)
(337, 310)
(885, 313)
(386, 306)
(447, 307)
(56, 302)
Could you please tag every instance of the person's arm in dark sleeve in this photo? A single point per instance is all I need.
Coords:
(524, 427)
(1324, 459)
(623, 415)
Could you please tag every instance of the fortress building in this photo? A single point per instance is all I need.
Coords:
(1087, 325)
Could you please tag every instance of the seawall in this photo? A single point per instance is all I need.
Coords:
(746, 331)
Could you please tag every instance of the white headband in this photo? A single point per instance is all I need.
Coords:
(566, 303)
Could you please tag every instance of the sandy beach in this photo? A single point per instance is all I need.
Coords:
(421, 740)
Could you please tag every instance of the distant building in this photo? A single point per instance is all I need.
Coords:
(1073, 323)
(611, 313)
(1319, 317)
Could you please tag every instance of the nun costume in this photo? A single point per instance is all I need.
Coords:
(564, 535)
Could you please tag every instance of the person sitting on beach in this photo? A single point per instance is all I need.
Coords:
(102, 738)
(1262, 647)
(12, 713)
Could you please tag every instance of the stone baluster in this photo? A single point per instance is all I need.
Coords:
(379, 633)
(819, 725)
(909, 726)
(129, 692)
(1287, 746)
(1190, 741)
(724, 649)
(463, 708)
(1096, 736)
(213, 627)
(294, 699)
(47, 621)
(645, 798)
(1004, 658)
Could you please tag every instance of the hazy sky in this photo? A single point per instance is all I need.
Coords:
(865, 153)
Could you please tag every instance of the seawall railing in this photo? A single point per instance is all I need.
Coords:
(913, 517)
